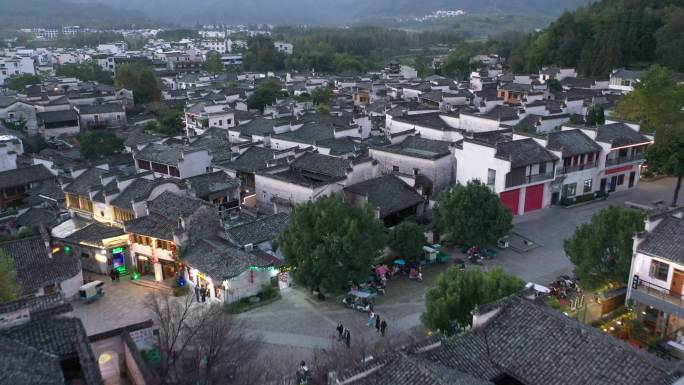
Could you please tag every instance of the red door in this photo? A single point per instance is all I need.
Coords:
(511, 200)
(533, 197)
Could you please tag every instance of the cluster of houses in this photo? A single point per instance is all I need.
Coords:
(391, 140)
(203, 208)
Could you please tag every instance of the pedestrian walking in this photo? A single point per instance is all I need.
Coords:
(204, 294)
(383, 327)
(197, 292)
(340, 329)
(377, 322)
(347, 338)
(371, 319)
(117, 274)
(112, 275)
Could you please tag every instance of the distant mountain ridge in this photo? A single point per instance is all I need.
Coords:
(42, 13)
(321, 12)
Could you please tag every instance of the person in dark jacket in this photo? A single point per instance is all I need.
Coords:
(383, 327)
(340, 329)
(377, 322)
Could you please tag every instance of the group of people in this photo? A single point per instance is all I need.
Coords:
(201, 293)
(380, 323)
(114, 275)
(343, 334)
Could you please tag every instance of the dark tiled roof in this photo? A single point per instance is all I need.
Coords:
(174, 206)
(253, 159)
(430, 120)
(205, 184)
(260, 230)
(36, 216)
(100, 108)
(82, 184)
(309, 133)
(257, 126)
(322, 165)
(152, 225)
(57, 116)
(502, 113)
(94, 234)
(387, 193)
(219, 259)
(666, 240)
(42, 344)
(619, 134)
(418, 147)
(21, 364)
(538, 345)
(24, 176)
(340, 146)
(35, 269)
(162, 153)
(571, 143)
(523, 152)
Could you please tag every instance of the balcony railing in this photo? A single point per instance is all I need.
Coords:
(527, 179)
(624, 159)
(659, 292)
(577, 167)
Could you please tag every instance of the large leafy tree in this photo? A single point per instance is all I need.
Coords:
(457, 293)
(264, 95)
(8, 279)
(87, 71)
(595, 116)
(20, 82)
(407, 239)
(655, 102)
(666, 155)
(262, 55)
(139, 78)
(330, 243)
(213, 63)
(601, 250)
(472, 215)
(96, 145)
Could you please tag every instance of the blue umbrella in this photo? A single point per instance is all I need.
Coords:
(399, 262)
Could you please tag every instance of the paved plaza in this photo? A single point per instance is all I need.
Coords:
(297, 324)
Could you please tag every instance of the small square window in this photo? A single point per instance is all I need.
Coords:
(659, 270)
(621, 179)
(588, 185)
(395, 168)
(570, 189)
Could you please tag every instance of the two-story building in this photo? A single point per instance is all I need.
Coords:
(656, 286)
(172, 222)
(520, 171)
(173, 160)
(99, 116)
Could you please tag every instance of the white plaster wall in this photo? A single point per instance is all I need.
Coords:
(194, 163)
(473, 162)
(70, 286)
(478, 124)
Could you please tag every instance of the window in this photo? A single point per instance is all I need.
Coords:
(590, 157)
(587, 185)
(144, 165)
(570, 190)
(173, 171)
(160, 168)
(118, 118)
(491, 177)
(542, 168)
(395, 168)
(659, 270)
(220, 122)
(621, 179)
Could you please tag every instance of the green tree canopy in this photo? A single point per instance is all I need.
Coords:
(9, 289)
(321, 95)
(666, 155)
(264, 95)
(458, 293)
(330, 243)
(97, 145)
(472, 215)
(139, 78)
(87, 71)
(20, 82)
(601, 250)
(213, 63)
(595, 116)
(262, 55)
(177, 34)
(407, 240)
(656, 101)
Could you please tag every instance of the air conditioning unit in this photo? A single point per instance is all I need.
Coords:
(249, 247)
